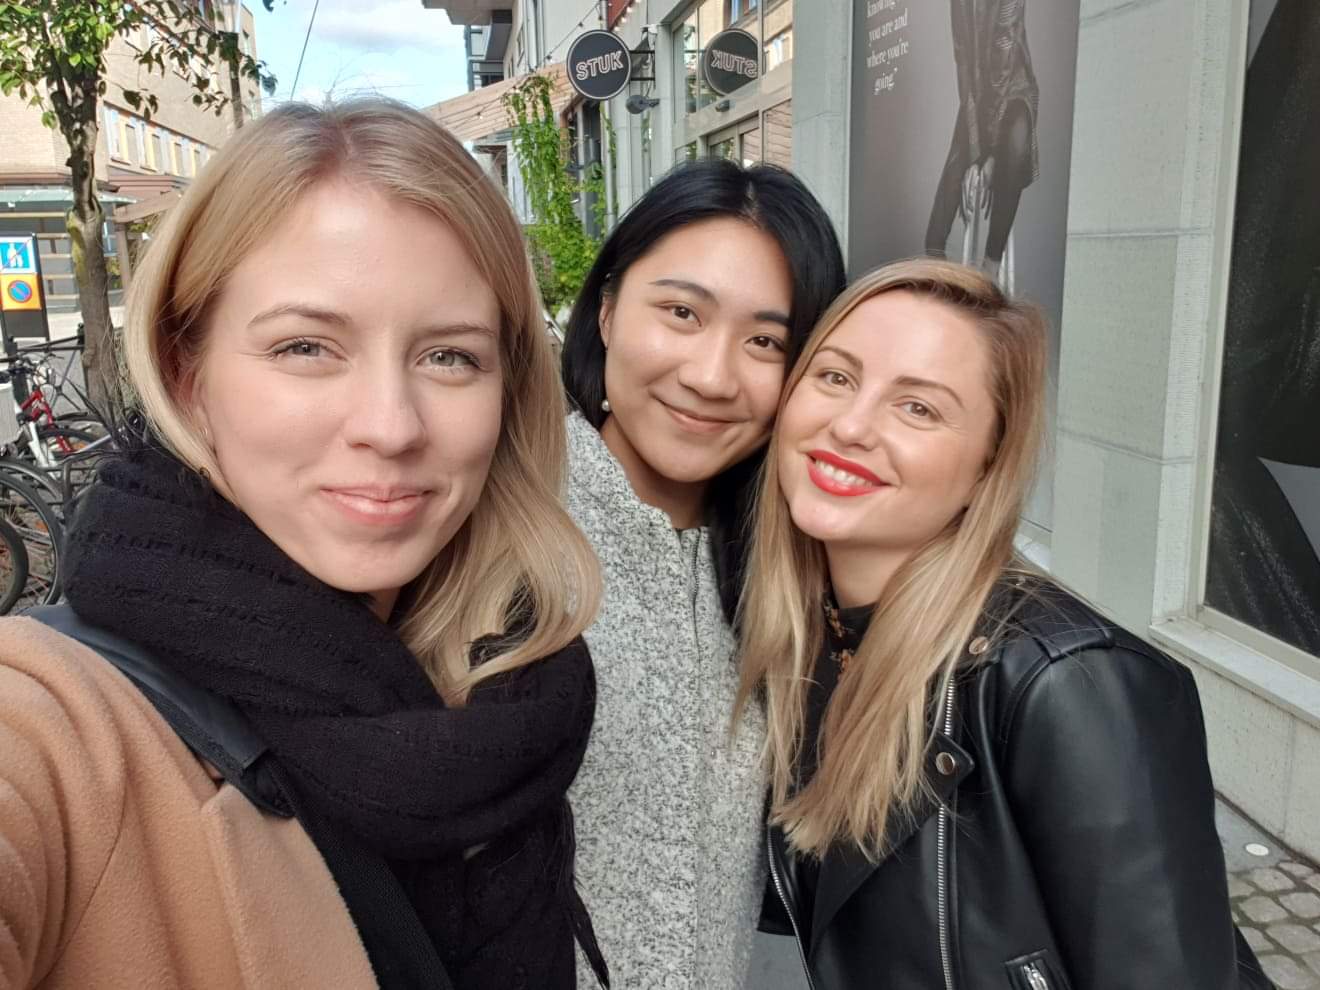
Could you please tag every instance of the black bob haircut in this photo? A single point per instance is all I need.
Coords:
(770, 199)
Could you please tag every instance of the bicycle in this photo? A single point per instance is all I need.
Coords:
(13, 567)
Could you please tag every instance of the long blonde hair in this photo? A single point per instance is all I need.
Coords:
(519, 552)
(877, 727)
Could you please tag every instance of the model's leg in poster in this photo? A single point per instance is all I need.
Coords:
(1011, 174)
(948, 194)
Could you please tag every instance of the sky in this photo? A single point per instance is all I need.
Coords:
(393, 48)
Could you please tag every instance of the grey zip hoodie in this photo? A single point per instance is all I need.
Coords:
(668, 808)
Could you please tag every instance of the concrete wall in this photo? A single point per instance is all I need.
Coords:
(1154, 150)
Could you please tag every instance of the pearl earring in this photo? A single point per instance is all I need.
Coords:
(605, 406)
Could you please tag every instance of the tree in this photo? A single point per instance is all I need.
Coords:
(53, 53)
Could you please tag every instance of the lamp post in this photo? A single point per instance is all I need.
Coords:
(232, 11)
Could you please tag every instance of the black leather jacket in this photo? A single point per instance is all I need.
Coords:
(1075, 846)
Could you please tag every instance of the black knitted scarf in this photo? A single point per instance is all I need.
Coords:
(466, 805)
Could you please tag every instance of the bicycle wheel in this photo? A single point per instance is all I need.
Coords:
(38, 525)
(13, 567)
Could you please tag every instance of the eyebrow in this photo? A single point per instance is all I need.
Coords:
(911, 382)
(704, 294)
(322, 315)
(906, 381)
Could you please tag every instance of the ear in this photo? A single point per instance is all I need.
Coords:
(605, 318)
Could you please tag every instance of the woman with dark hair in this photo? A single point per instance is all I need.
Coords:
(674, 360)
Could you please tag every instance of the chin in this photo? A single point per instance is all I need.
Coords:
(819, 523)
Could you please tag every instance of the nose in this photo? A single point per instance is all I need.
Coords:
(388, 419)
(856, 425)
(711, 369)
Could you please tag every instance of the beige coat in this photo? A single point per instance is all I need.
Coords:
(124, 862)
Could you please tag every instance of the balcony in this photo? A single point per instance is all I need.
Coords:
(470, 11)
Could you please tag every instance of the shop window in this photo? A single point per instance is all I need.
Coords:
(1263, 560)
(779, 135)
(694, 32)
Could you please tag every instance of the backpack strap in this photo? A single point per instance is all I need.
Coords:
(211, 727)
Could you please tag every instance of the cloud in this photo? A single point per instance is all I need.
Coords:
(386, 27)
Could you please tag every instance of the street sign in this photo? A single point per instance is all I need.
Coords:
(18, 256)
(22, 308)
(599, 65)
(731, 61)
(19, 292)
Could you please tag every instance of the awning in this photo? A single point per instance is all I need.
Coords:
(480, 113)
(51, 194)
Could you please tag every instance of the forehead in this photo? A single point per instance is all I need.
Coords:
(348, 246)
(902, 333)
(733, 258)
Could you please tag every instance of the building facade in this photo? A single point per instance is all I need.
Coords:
(138, 160)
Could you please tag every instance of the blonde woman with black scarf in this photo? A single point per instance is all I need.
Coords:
(978, 782)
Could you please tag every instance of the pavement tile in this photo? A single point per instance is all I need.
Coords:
(1313, 881)
(1257, 940)
(1303, 904)
(1238, 887)
(1288, 974)
(1296, 869)
(1295, 938)
(1262, 910)
(1313, 960)
(1270, 880)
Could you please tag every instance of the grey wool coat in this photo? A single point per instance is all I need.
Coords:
(670, 853)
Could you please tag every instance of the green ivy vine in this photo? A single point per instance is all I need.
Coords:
(562, 248)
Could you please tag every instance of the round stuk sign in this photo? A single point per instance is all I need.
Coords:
(599, 64)
(732, 60)
(20, 292)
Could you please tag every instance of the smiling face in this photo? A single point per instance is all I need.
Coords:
(350, 385)
(695, 339)
(884, 439)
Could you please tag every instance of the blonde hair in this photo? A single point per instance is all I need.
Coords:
(877, 729)
(519, 553)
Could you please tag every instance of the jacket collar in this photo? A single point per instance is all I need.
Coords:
(844, 867)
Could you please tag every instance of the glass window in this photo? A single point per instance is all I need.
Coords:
(694, 32)
(687, 153)
(751, 146)
(778, 33)
(112, 131)
(648, 135)
(688, 54)
(725, 148)
(1263, 566)
(779, 135)
(140, 141)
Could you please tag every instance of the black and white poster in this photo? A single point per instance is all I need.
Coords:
(1264, 562)
(962, 135)
(961, 142)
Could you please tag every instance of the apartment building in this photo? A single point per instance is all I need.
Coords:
(137, 161)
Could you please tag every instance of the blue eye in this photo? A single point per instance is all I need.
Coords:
(300, 348)
(449, 358)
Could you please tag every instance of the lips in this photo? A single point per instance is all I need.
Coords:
(378, 505)
(695, 422)
(839, 476)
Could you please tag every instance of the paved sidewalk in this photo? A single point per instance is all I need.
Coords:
(1276, 902)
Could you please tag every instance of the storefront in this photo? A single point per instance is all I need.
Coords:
(675, 113)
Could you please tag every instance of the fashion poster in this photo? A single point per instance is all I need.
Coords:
(961, 141)
(1264, 566)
